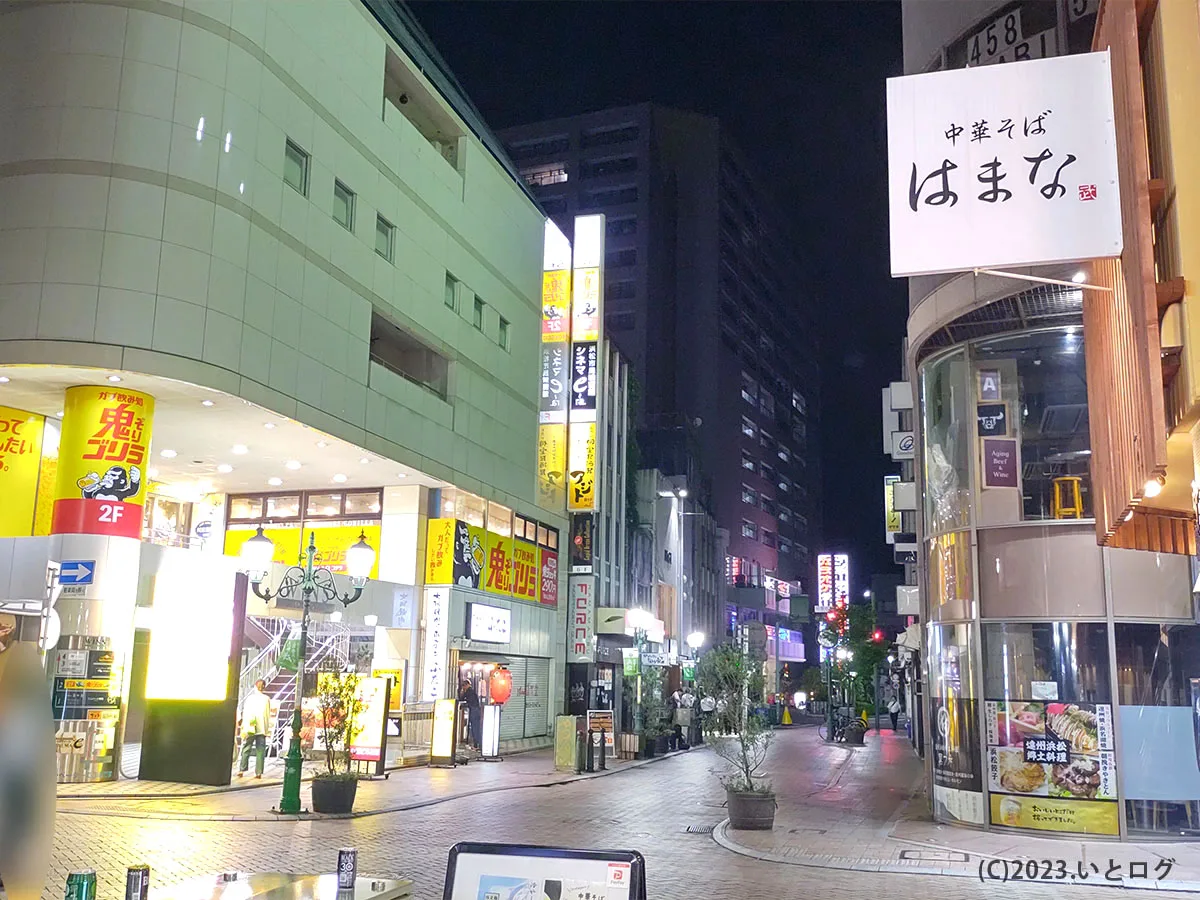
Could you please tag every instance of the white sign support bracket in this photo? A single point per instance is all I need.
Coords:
(1083, 286)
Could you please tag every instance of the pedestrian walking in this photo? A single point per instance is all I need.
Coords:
(469, 697)
(894, 711)
(254, 726)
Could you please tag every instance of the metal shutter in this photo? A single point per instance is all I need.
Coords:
(537, 697)
(512, 719)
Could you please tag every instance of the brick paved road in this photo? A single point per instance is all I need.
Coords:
(648, 808)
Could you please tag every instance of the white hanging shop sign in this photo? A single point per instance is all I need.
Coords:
(1012, 165)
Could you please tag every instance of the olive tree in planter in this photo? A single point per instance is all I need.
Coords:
(334, 788)
(738, 734)
(655, 712)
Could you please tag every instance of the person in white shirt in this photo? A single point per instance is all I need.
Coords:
(255, 726)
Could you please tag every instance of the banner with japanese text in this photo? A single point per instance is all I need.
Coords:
(581, 624)
(581, 464)
(285, 538)
(334, 540)
(1003, 166)
(21, 436)
(552, 466)
(100, 487)
(454, 553)
(498, 570)
(526, 574)
(549, 568)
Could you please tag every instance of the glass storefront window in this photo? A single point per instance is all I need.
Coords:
(363, 503)
(456, 504)
(245, 507)
(1158, 692)
(954, 714)
(947, 436)
(324, 505)
(1064, 661)
(1031, 421)
(499, 519)
(285, 506)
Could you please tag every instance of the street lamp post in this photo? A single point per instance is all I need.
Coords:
(641, 620)
(307, 580)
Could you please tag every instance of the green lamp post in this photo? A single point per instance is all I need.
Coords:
(303, 582)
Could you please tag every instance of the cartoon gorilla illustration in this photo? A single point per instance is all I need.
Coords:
(115, 484)
(468, 556)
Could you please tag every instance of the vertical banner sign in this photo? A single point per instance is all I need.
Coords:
(824, 582)
(581, 624)
(20, 461)
(554, 392)
(1012, 165)
(549, 595)
(587, 318)
(841, 579)
(499, 564)
(891, 515)
(437, 629)
(526, 574)
(105, 444)
(583, 530)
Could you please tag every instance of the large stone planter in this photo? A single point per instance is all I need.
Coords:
(854, 733)
(750, 812)
(334, 795)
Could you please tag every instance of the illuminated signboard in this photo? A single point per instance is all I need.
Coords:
(491, 624)
(824, 583)
(841, 579)
(586, 363)
(555, 369)
(437, 635)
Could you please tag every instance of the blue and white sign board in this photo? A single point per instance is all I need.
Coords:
(77, 571)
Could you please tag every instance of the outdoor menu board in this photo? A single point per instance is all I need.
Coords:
(512, 872)
(1052, 766)
(957, 777)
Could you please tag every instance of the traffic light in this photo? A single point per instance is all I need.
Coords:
(877, 636)
(831, 615)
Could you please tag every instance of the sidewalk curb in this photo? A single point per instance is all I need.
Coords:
(721, 836)
(310, 817)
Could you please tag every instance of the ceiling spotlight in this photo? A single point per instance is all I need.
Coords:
(292, 464)
(206, 403)
(322, 444)
(115, 379)
(339, 478)
(59, 414)
(1154, 486)
(1079, 277)
(168, 454)
(4, 379)
(152, 473)
(365, 460)
(224, 468)
(268, 425)
(401, 474)
(239, 449)
(274, 482)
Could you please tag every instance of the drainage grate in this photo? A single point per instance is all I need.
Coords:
(699, 829)
(935, 856)
(806, 830)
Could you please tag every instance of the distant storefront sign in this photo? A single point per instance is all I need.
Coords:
(1012, 165)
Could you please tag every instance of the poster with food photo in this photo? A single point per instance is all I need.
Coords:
(1050, 749)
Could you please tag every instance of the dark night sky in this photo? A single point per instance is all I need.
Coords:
(800, 85)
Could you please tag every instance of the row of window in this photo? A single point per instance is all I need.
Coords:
(769, 505)
(620, 290)
(779, 449)
(751, 531)
(282, 507)
(618, 259)
(297, 163)
(478, 309)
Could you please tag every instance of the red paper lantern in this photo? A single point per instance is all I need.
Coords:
(500, 686)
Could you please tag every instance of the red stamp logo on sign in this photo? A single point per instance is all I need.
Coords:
(1087, 192)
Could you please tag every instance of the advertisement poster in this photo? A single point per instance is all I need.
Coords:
(368, 744)
(583, 529)
(581, 624)
(549, 595)
(552, 465)
(334, 540)
(454, 553)
(499, 564)
(20, 460)
(526, 574)
(957, 767)
(581, 466)
(1000, 463)
(1056, 762)
(103, 451)
(555, 384)
(285, 538)
(556, 304)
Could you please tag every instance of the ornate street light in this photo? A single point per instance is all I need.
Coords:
(306, 581)
(695, 641)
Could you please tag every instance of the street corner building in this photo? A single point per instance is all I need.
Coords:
(263, 271)
(1056, 399)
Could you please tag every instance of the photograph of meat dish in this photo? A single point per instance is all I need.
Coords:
(1075, 725)
(1018, 776)
(1080, 778)
(1018, 720)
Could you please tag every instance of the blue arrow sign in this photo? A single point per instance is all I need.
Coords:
(77, 571)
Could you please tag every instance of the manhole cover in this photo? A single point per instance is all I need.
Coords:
(935, 856)
(699, 829)
(806, 830)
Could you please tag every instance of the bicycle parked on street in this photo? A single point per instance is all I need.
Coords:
(842, 717)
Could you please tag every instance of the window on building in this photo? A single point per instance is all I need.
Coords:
(343, 205)
(619, 259)
(785, 514)
(766, 403)
(749, 495)
(785, 546)
(785, 483)
(403, 353)
(798, 403)
(603, 137)
(800, 433)
(549, 173)
(769, 506)
(768, 442)
(611, 196)
(749, 529)
(385, 238)
(749, 389)
(532, 149)
(477, 316)
(748, 462)
(749, 429)
(599, 168)
(363, 503)
(784, 454)
(768, 538)
(295, 167)
(767, 472)
(620, 321)
(451, 295)
(620, 290)
(624, 225)
(801, 522)
(503, 339)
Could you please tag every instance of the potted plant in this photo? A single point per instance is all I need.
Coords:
(655, 726)
(334, 788)
(739, 735)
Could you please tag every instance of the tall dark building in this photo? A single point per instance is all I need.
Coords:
(705, 295)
